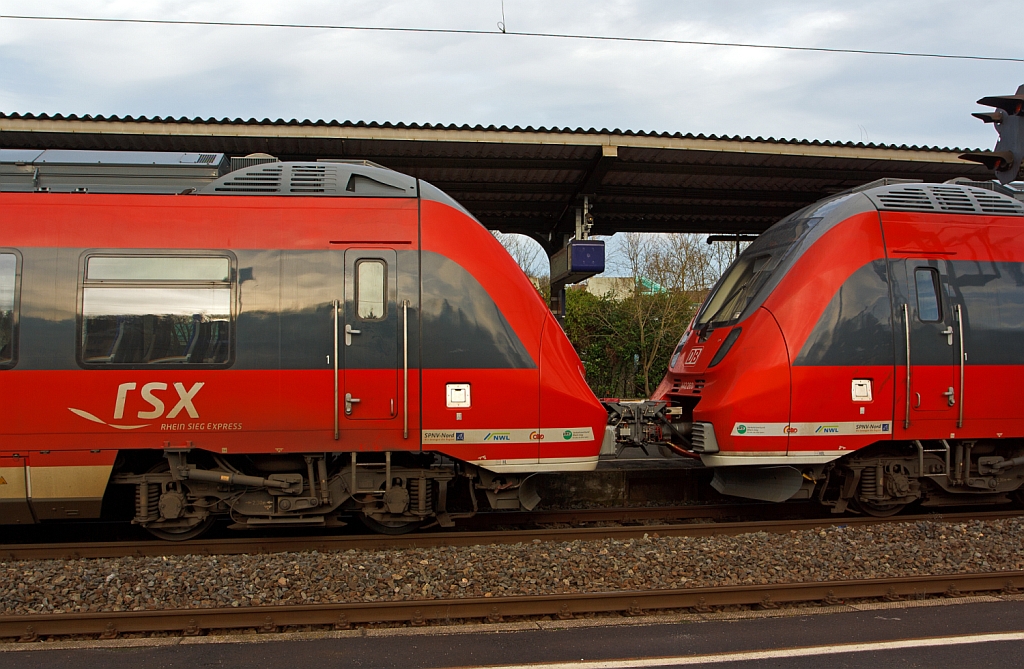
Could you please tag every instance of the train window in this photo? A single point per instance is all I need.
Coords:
(740, 284)
(8, 314)
(173, 268)
(371, 284)
(928, 308)
(156, 310)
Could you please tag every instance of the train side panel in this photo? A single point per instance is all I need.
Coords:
(834, 308)
(978, 262)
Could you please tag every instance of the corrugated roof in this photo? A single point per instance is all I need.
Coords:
(531, 179)
(463, 128)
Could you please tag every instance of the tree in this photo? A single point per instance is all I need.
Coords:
(626, 344)
(527, 253)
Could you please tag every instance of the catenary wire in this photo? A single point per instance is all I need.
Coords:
(570, 36)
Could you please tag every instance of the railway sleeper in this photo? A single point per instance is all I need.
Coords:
(186, 490)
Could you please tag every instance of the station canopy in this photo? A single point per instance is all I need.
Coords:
(532, 180)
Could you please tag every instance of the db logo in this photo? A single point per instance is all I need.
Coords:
(789, 429)
(691, 357)
(536, 436)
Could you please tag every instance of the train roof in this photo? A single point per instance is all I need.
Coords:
(957, 197)
(153, 172)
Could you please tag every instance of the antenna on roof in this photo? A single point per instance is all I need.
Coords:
(1008, 119)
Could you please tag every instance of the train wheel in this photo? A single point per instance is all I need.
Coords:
(181, 534)
(879, 510)
(391, 526)
(172, 533)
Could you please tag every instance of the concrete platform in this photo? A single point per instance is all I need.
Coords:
(976, 632)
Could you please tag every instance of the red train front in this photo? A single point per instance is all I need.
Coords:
(285, 344)
(865, 351)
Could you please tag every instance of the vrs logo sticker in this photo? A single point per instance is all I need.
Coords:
(742, 429)
(567, 435)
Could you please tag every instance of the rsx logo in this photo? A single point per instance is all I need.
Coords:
(184, 400)
(148, 394)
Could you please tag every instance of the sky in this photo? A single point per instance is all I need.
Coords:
(501, 79)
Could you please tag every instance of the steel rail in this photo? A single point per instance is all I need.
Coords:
(565, 605)
(280, 544)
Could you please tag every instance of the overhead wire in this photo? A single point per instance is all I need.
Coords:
(503, 31)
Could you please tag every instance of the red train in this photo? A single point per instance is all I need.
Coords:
(865, 350)
(283, 344)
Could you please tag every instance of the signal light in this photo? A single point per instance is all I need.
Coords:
(1008, 120)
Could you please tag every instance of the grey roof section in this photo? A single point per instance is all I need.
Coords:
(531, 180)
(69, 171)
(314, 180)
(944, 198)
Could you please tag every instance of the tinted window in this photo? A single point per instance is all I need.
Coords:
(856, 326)
(751, 271)
(371, 280)
(927, 281)
(993, 304)
(156, 310)
(8, 277)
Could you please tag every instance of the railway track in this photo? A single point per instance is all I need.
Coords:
(194, 622)
(326, 543)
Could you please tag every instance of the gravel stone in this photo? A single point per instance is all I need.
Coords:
(532, 568)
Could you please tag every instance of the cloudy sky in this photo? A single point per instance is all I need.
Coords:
(92, 68)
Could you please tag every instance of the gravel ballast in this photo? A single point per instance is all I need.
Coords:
(534, 568)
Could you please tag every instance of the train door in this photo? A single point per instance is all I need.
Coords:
(930, 340)
(371, 330)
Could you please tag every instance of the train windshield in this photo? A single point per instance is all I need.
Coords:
(742, 282)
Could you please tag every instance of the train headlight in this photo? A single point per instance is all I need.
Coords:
(730, 339)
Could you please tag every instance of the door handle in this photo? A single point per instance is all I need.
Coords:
(348, 334)
(349, 401)
(950, 396)
(337, 430)
(948, 332)
(917, 405)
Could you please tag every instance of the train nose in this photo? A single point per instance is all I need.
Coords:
(569, 410)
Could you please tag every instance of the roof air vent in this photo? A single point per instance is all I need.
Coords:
(307, 179)
(907, 198)
(953, 198)
(250, 160)
(259, 179)
(945, 198)
(310, 179)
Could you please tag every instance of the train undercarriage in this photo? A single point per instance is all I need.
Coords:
(880, 480)
(180, 493)
(885, 478)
